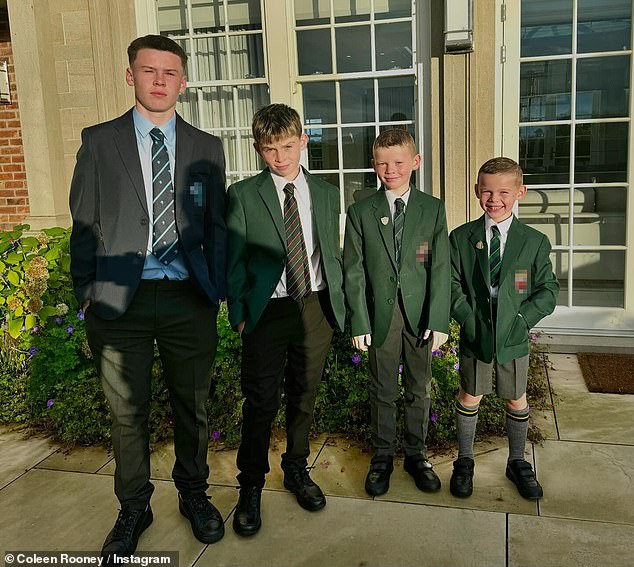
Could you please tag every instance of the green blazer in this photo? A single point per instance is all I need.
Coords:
(372, 277)
(256, 254)
(527, 292)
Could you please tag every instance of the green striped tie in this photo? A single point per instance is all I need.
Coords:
(495, 258)
(399, 221)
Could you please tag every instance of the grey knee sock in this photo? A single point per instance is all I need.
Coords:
(517, 431)
(466, 421)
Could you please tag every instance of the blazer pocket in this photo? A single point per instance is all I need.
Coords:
(518, 333)
(469, 328)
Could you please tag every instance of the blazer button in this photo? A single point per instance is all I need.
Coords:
(139, 253)
(144, 222)
(390, 301)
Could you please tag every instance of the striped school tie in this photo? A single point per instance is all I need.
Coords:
(399, 221)
(495, 258)
(164, 234)
(297, 272)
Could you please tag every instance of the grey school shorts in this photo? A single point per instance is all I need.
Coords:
(476, 377)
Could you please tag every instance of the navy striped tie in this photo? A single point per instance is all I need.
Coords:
(297, 272)
(164, 234)
(495, 258)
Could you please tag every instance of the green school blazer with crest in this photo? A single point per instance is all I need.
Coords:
(372, 277)
(527, 292)
(256, 255)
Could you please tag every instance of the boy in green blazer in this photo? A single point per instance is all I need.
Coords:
(397, 271)
(502, 285)
(285, 296)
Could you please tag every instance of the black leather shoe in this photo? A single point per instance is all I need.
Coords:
(309, 495)
(204, 517)
(246, 518)
(461, 484)
(377, 481)
(123, 538)
(521, 473)
(423, 473)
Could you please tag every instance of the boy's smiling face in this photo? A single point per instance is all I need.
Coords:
(394, 166)
(497, 193)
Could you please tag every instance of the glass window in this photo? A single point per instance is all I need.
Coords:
(604, 25)
(394, 46)
(172, 17)
(320, 105)
(244, 15)
(211, 57)
(396, 99)
(598, 278)
(353, 49)
(546, 27)
(313, 52)
(384, 9)
(544, 154)
(358, 186)
(247, 56)
(322, 149)
(357, 101)
(312, 12)
(545, 90)
(208, 16)
(601, 151)
(357, 147)
(357, 11)
(603, 87)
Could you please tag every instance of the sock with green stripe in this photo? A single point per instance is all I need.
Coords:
(517, 431)
(466, 421)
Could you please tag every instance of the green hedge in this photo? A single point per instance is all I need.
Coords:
(48, 380)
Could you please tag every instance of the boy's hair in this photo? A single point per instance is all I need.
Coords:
(275, 121)
(158, 42)
(394, 137)
(499, 165)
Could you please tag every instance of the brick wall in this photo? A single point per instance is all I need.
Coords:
(14, 197)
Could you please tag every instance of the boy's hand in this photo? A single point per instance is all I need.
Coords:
(240, 327)
(361, 342)
(438, 338)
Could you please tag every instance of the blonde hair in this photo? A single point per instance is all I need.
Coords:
(275, 121)
(500, 165)
(394, 137)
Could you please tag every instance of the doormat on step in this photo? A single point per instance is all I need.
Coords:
(607, 373)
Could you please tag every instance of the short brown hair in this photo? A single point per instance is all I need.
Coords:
(499, 165)
(275, 121)
(394, 137)
(158, 42)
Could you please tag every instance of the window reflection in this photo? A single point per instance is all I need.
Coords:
(322, 148)
(604, 25)
(313, 52)
(353, 49)
(319, 103)
(601, 152)
(546, 27)
(545, 90)
(603, 87)
(357, 101)
(545, 154)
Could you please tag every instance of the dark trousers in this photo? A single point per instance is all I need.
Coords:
(401, 344)
(183, 324)
(286, 349)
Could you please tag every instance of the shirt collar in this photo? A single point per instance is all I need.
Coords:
(143, 127)
(391, 197)
(281, 182)
(503, 226)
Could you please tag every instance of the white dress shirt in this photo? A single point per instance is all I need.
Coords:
(391, 199)
(503, 227)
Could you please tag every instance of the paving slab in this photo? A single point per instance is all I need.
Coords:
(56, 510)
(588, 481)
(568, 543)
(587, 416)
(363, 532)
(20, 450)
(77, 459)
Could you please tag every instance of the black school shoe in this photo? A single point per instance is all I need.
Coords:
(423, 473)
(246, 518)
(523, 476)
(204, 517)
(309, 495)
(124, 536)
(377, 481)
(461, 484)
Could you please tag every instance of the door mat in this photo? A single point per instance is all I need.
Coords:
(607, 373)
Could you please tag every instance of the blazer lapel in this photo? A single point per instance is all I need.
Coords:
(319, 202)
(479, 242)
(385, 224)
(268, 193)
(184, 151)
(413, 219)
(514, 244)
(125, 142)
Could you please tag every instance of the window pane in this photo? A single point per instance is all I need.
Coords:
(353, 49)
(547, 210)
(312, 12)
(357, 101)
(332, 178)
(559, 260)
(352, 11)
(357, 147)
(217, 109)
(313, 52)
(358, 186)
(544, 154)
(604, 25)
(601, 152)
(602, 217)
(187, 106)
(396, 99)
(250, 99)
(546, 27)
(545, 90)
(394, 46)
(603, 87)
(172, 17)
(244, 15)
(597, 278)
(322, 148)
(320, 103)
(184, 43)
(247, 56)
(208, 16)
(392, 9)
(211, 58)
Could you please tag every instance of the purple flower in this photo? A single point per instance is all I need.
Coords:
(434, 416)
(80, 315)
(356, 358)
(50, 403)
(454, 349)
(58, 319)
(437, 353)
(215, 435)
(400, 369)
(456, 366)
(36, 330)
(33, 351)
(534, 338)
(70, 329)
